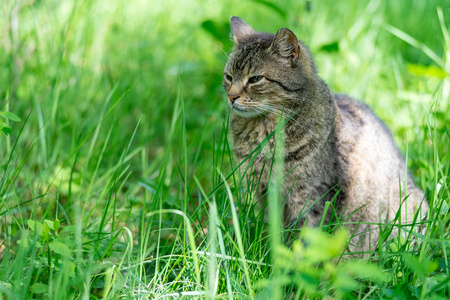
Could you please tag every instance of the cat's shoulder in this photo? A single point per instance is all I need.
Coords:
(349, 105)
(356, 111)
(357, 123)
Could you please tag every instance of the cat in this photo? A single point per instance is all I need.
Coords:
(331, 141)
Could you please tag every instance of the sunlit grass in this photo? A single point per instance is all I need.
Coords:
(119, 181)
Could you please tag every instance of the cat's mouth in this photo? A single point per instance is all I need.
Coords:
(239, 109)
(247, 113)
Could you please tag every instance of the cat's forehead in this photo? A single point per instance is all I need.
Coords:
(258, 39)
(251, 54)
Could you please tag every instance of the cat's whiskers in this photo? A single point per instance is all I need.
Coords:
(288, 114)
(272, 106)
(275, 110)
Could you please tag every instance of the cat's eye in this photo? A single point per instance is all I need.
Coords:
(228, 77)
(255, 79)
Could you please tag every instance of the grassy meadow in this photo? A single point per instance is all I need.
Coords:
(117, 178)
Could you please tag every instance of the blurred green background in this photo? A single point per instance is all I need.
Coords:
(123, 113)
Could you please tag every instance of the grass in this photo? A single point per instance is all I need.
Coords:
(119, 181)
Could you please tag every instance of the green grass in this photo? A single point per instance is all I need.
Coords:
(119, 181)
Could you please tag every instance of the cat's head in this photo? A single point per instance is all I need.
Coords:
(265, 72)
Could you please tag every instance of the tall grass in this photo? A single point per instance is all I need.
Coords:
(119, 181)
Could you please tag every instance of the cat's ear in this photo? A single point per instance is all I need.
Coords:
(286, 44)
(240, 29)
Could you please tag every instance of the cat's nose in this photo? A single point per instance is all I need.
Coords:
(233, 98)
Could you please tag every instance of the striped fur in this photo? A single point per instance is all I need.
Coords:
(331, 141)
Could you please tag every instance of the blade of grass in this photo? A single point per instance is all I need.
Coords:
(413, 42)
(238, 237)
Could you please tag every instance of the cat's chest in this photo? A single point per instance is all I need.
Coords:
(249, 133)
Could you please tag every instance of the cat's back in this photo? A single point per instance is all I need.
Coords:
(360, 132)
(373, 167)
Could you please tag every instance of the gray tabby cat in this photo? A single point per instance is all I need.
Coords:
(330, 140)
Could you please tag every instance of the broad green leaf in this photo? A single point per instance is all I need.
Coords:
(56, 224)
(60, 248)
(25, 242)
(11, 116)
(50, 224)
(6, 130)
(1, 124)
(322, 246)
(36, 226)
(45, 233)
(39, 288)
(365, 270)
(70, 229)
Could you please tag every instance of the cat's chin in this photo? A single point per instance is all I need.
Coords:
(245, 113)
